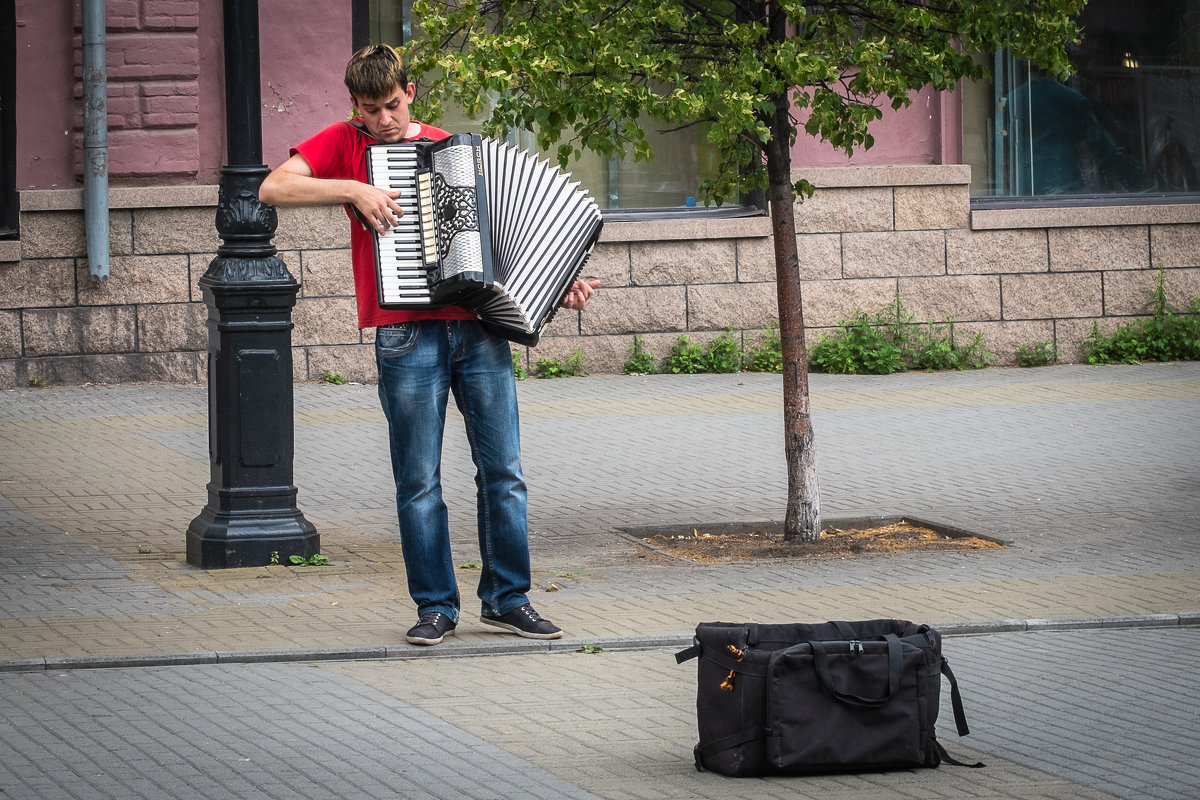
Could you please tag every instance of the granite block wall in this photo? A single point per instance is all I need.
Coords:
(1016, 276)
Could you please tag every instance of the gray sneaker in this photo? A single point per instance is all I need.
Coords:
(430, 628)
(524, 621)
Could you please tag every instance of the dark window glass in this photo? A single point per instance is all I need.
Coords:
(670, 182)
(8, 119)
(1127, 123)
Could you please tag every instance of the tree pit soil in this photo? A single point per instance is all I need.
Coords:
(727, 543)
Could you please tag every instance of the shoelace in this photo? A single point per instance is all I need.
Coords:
(530, 614)
(432, 618)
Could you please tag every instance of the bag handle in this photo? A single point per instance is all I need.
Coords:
(846, 630)
(825, 676)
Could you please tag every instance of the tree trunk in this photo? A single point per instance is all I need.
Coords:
(803, 520)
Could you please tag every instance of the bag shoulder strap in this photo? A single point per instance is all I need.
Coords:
(949, 759)
(960, 716)
(723, 659)
(847, 630)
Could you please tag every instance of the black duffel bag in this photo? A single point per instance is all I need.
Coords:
(830, 697)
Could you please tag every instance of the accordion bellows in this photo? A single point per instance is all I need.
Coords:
(486, 226)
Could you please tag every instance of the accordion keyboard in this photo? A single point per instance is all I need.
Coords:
(404, 252)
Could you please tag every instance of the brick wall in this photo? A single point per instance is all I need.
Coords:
(153, 59)
(1016, 276)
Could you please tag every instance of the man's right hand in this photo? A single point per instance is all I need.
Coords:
(377, 207)
(293, 184)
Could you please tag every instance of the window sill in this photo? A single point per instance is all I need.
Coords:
(657, 229)
(10, 250)
(122, 197)
(1085, 214)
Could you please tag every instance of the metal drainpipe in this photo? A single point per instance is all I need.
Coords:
(95, 137)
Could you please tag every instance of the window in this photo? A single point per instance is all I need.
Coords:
(1128, 123)
(376, 21)
(670, 183)
(671, 180)
(8, 120)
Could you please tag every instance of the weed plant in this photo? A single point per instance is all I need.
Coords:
(315, 560)
(893, 340)
(723, 355)
(1168, 335)
(862, 345)
(519, 371)
(1038, 354)
(686, 358)
(640, 362)
(572, 367)
(768, 356)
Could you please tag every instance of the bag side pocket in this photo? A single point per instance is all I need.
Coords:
(815, 728)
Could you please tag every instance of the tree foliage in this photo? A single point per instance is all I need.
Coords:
(580, 73)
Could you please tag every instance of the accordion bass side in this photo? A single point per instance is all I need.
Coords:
(486, 226)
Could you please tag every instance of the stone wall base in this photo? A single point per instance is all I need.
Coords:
(1018, 277)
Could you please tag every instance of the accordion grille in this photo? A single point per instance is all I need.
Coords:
(456, 210)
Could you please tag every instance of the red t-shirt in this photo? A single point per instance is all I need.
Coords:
(339, 151)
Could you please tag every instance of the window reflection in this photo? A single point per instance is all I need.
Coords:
(1127, 123)
(682, 161)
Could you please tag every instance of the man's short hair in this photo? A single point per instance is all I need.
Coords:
(374, 72)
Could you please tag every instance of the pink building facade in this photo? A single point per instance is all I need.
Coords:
(166, 107)
(905, 216)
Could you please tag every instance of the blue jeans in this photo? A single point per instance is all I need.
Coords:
(420, 363)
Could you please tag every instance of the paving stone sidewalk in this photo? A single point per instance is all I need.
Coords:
(1089, 473)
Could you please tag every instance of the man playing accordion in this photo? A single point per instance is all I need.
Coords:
(423, 356)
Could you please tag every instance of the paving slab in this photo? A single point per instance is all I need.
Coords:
(1090, 474)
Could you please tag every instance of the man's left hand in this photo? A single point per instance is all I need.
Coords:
(579, 293)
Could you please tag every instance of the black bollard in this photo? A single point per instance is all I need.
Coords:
(251, 517)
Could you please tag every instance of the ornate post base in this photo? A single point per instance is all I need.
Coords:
(251, 512)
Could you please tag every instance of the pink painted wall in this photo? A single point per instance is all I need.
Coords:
(166, 105)
(210, 143)
(926, 132)
(45, 85)
(303, 57)
(166, 93)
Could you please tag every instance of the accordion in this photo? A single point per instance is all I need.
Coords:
(486, 227)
